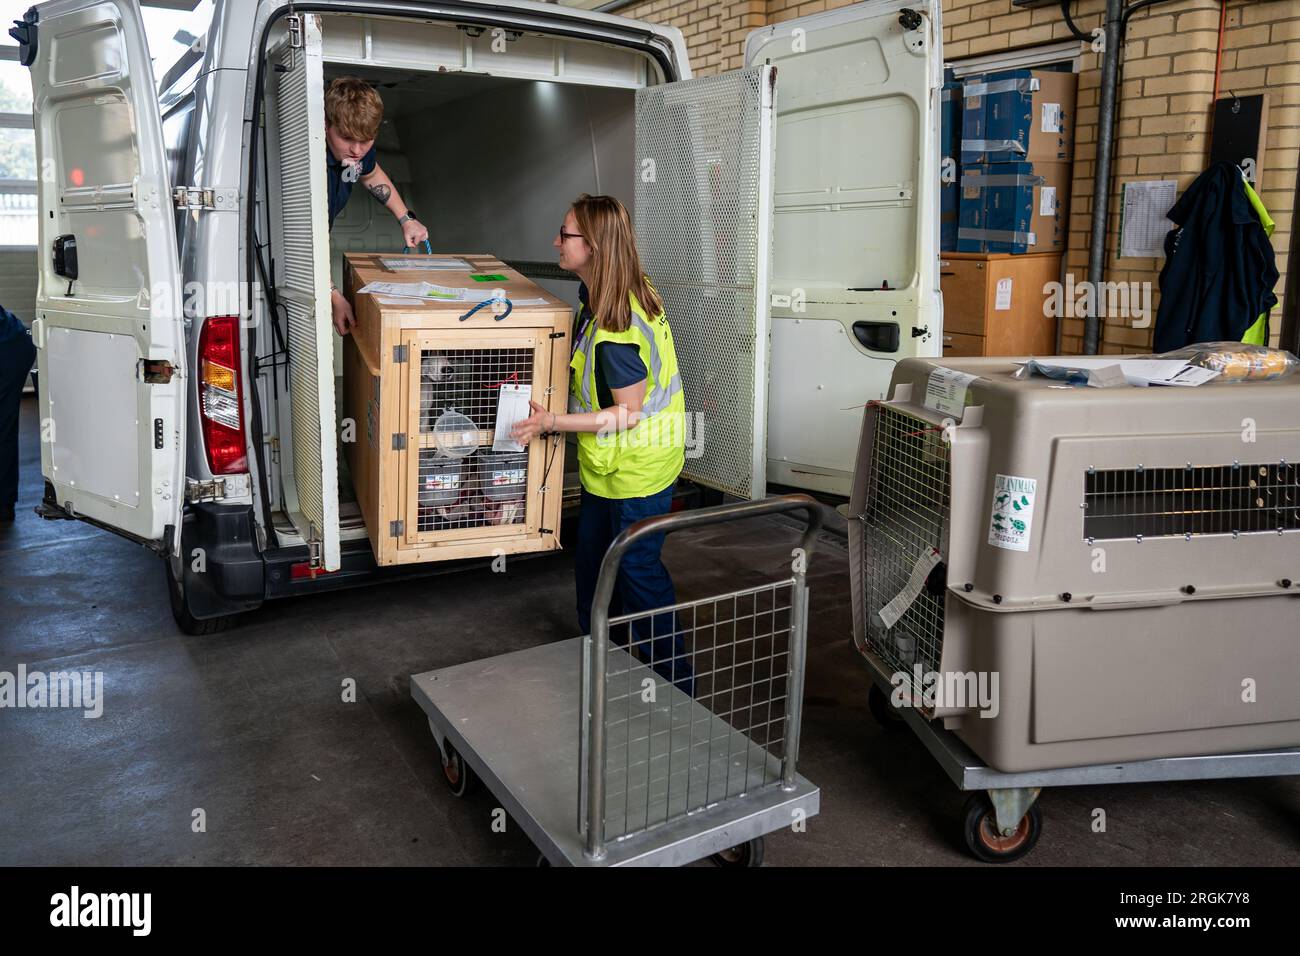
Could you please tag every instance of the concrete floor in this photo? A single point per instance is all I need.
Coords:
(249, 725)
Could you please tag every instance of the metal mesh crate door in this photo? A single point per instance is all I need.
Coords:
(466, 484)
(904, 523)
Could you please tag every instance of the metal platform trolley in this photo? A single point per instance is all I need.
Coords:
(664, 737)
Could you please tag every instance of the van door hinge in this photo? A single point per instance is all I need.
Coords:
(401, 354)
(295, 31)
(206, 198)
(315, 550)
(215, 489)
(396, 528)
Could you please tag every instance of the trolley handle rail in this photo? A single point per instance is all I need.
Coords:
(593, 800)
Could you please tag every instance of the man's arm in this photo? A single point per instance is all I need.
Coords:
(381, 187)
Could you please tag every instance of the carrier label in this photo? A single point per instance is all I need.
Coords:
(1012, 517)
(945, 392)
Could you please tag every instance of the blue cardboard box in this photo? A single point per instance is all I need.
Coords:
(1018, 116)
(1014, 207)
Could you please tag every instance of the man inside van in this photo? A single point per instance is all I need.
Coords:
(353, 112)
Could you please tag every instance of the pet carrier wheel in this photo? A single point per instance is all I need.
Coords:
(886, 714)
(985, 841)
(740, 855)
(460, 778)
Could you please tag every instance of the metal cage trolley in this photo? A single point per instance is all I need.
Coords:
(664, 737)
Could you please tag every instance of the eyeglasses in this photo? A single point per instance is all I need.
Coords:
(568, 235)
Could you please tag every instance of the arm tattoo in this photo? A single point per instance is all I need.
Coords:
(380, 192)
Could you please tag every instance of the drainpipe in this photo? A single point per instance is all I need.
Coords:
(1108, 107)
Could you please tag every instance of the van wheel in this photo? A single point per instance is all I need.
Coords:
(186, 621)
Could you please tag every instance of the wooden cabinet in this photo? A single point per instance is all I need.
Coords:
(995, 303)
(417, 374)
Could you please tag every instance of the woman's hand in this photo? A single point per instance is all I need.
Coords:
(539, 421)
(413, 233)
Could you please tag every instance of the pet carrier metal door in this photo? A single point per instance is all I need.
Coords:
(456, 487)
(704, 154)
(110, 346)
(296, 116)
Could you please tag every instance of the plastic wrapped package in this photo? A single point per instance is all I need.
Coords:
(1235, 361)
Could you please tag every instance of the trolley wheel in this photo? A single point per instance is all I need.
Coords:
(460, 778)
(542, 860)
(740, 855)
(984, 840)
(886, 714)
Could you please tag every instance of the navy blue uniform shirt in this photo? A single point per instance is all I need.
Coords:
(618, 364)
(340, 190)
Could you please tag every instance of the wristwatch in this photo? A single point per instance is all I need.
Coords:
(410, 214)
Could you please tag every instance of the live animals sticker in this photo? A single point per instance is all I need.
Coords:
(1012, 518)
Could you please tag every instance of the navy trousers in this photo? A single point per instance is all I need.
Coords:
(643, 582)
(17, 354)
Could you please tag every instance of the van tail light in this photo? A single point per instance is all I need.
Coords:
(220, 408)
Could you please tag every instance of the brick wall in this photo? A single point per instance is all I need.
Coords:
(1164, 114)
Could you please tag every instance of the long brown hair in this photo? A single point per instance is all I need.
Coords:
(616, 267)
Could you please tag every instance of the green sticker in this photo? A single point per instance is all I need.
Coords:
(488, 278)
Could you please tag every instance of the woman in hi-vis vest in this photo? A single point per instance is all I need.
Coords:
(627, 409)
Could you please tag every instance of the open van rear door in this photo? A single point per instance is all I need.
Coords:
(855, 281)
(703, 226)
(110, 339)
(296, 115)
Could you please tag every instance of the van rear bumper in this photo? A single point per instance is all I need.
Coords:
(223, 568)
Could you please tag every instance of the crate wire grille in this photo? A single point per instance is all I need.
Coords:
(905, 518)
(1193, 500)
(698, 236)
(484, 488)
(669, 754)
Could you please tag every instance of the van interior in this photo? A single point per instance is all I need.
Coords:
(488, 155)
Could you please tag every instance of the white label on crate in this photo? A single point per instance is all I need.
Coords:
(1047, 201)
(512, 407)
(1051, 117)
(1003, 301)
(945, 392)
(896, 608)
(1012, 517)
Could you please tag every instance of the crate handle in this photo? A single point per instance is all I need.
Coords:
(428, 249)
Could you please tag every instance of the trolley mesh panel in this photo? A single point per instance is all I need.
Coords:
(718, 729)
(697, 189)
(1193, 500)
(905, 518)
(484, 487)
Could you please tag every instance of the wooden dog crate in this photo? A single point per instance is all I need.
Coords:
(407, 364)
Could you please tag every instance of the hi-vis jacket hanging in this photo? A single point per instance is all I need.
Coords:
(647, 458)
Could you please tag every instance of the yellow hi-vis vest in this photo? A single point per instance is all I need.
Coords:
(646, 459)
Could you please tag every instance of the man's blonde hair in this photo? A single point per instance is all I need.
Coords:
(353, 108)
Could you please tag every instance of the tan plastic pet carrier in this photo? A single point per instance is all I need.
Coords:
(1119, 565)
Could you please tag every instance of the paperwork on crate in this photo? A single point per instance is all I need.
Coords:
(427, 264)
(405, 293)
(512, 408)
(1101, 371)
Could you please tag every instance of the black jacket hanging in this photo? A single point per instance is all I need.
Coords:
(1219, 268)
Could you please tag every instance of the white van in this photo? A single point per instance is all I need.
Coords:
(788, 212)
